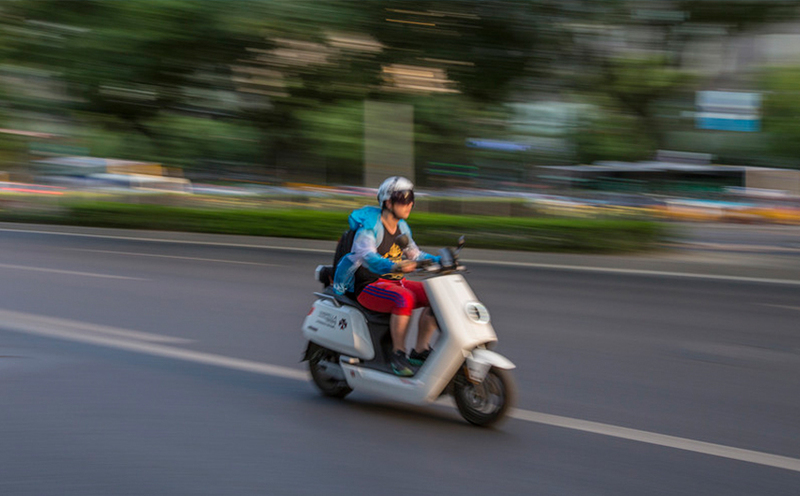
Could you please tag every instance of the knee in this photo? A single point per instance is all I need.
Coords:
(404, 303)
(427, 315)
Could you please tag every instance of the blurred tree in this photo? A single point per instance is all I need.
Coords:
(336, 135)
(611, 134)
(637, 83)
(781, 107)
(129, 60)
(485, 48)
(292, 76)
(441, 127)
(738, 13)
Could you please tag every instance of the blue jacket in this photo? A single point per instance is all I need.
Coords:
(369, 234)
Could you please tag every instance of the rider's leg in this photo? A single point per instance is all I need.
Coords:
(398, 326)
(391, 297)
(427, 326)
(427, 322)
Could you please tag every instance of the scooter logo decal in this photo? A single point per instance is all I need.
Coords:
(343, 324)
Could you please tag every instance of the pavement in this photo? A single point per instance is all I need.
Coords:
(717, 251)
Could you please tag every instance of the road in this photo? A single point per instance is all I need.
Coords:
(757, 238)
(137, 363)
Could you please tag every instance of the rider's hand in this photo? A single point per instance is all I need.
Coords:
(406, 266)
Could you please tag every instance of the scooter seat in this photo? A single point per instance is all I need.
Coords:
(348, 299)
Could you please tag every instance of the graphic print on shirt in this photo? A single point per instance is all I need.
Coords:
(387, 249)
(394, 254)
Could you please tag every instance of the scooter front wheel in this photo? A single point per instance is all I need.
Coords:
(485, 403)
(324, 365)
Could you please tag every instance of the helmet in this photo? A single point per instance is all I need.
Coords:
(395, 184)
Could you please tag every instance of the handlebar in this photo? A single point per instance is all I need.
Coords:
(448, 261)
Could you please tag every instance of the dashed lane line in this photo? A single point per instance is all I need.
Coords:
(785, 307)
(197, 259)
(172, 241)
(76, 330)
(680, 443)
(68, 272)
(640, 272)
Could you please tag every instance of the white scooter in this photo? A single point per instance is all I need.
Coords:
(349, 348)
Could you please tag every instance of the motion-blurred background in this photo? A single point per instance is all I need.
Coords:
(684, 109)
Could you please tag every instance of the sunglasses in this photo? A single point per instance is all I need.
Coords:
(402, 197)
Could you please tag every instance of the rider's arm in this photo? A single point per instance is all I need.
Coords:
(413, 251)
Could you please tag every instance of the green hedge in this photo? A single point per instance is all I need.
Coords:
(527, 234)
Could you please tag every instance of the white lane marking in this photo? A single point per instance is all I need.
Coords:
(68, 272)
(736, 247)
(684, 444)
(177, 241)
(52, 326)
(173, 256)
(680, 443)
(485, 262)
(640, 272)
(60, 331)
(787, 307)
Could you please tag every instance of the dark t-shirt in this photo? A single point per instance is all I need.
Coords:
(387, 248)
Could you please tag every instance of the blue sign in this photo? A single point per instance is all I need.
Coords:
(728, 111)
(729, 122)
(506, 146)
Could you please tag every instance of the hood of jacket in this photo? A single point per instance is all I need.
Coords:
(368, 217)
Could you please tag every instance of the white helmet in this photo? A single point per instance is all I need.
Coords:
(392, 185)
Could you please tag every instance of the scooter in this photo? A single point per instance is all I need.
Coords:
(349, 347)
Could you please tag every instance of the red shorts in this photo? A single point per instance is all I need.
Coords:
(397, 297)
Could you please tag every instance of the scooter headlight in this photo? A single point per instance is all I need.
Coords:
(477, 312)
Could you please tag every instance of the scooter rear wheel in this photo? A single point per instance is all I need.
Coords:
(320, 359)
(486, 403)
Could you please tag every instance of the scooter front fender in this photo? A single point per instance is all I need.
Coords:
(491, 358)
(480, 361)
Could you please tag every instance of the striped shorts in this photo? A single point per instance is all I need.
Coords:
(397, 297)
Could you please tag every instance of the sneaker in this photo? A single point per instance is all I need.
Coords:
(400, 364)
(418, 359)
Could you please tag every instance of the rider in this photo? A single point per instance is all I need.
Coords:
(373, 270)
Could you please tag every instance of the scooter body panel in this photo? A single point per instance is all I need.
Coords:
(464, 325)
(423, 387)
(458, 310)
(341, 328)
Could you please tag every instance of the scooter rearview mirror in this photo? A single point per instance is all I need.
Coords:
(461, 242)
(446, 256)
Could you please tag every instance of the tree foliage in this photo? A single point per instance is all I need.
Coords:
(781, 108)
(179, 79)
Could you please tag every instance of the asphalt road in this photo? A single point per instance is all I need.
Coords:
(130, 365)
(756, 238)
